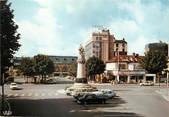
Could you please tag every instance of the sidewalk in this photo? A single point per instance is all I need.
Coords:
(164, 92)
(91, 83)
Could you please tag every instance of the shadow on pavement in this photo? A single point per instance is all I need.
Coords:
(66, 107)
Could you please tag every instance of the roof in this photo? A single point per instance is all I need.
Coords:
(55, 59)
(120, 41)
(126, 58)
(63, 59)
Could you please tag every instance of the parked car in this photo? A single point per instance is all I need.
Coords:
(14, 86)
(109, 93)
(90, 98)
(50, 81)
(69, 92)
(147, 83)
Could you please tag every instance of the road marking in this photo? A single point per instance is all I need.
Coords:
(15, 94)
(8, 95)
(23, 94)
(36, 94)
(49, 94)
(29, 94)
(42, 94)
(120, 115)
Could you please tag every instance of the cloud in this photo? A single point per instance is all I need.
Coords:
(40, 35)
(58, 27)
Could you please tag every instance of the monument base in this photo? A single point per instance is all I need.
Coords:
(81, 86)
(81, 80)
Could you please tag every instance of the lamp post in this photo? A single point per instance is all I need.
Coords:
(167, 79)
(167, 85)
(2, 83)
(117, 66)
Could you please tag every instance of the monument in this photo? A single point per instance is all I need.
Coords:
(81, 84)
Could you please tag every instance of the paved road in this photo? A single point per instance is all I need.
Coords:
(50, 100)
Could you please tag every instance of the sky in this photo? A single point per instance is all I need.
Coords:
(58, 27)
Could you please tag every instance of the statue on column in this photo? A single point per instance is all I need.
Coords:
(81, 85)
(81, 68)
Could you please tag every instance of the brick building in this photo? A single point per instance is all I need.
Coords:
(104, 46)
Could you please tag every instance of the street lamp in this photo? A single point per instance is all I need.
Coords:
(167, 79)
(118, 66)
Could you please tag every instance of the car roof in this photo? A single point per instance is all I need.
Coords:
(13, 83)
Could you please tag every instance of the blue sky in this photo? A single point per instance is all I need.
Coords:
(58, 27)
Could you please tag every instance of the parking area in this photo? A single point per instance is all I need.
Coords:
(50, 100)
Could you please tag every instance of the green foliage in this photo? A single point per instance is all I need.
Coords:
(27, 66)
(95, 66)
(43, 65)
(154, 61)
(8, 35)
(73, 69)
(38, 65)
(161, 46)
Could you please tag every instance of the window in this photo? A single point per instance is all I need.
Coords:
(97, 38)
(123, 44)
(117, 45)
(122, 66)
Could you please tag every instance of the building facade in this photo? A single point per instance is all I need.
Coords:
(125, 69)
(104, 46)
(63, 64)
(161, 46)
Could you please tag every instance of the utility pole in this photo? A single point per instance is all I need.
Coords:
(167, 85)
(2, 82)
(118, 66)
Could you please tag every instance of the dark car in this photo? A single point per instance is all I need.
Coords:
(90, 98)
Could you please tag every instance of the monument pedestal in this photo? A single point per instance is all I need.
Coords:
(81, 85)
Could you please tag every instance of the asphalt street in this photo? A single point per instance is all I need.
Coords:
(50, 100)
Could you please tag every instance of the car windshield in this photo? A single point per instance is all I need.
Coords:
(13, 83)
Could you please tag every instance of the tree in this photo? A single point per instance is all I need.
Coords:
(154, 62)
(73, 69)
(27, 66)
(43, 66)
(8, 35)
(94, 66)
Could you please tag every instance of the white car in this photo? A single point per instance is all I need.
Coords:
(109, 93)
(14, 86)
(148, 83)
(69, 92)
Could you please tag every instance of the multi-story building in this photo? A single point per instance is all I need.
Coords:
(161, 46)
(104, 46)
(125, 68)
(63, 64)
(120, 47)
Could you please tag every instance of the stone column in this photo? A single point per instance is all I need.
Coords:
(154, 79)
(81, 71)
(128, 79)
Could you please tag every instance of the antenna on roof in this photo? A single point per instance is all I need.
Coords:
(99, 27)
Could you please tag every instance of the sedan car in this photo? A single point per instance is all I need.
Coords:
(90, 98)
(14, 86)
(109, 93)
(148, 83)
